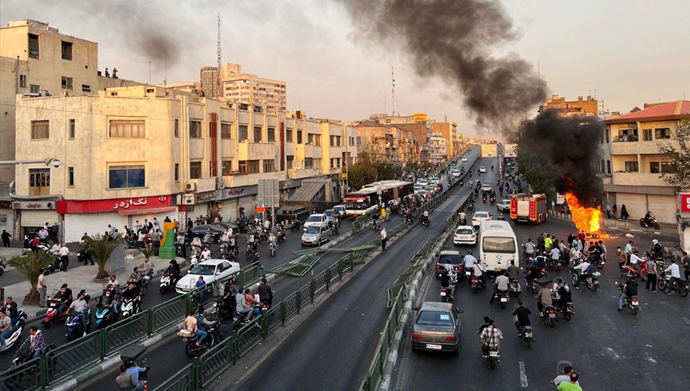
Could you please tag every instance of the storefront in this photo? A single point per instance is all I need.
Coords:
(92, 217)
(230, 200)
(6, 217)
(34, 214)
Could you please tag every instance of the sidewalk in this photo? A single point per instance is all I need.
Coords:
(625, 226)
(78, 278)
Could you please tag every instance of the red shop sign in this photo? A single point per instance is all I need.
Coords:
(113, 205)
(684, 202)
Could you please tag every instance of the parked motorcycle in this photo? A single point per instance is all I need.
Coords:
(215, 336)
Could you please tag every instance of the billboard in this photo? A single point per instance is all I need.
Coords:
(419, 117)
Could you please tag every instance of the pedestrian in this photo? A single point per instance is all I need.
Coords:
(572, 384)
(42, 288)
(54, 232)
(565, 377)
(64, 255)
(114, 73)
(265, 293)
(107, 74)
(384, 239)
(652, 272)
(608, 210)
(614, 210)
(156, 237)
(624, 213)
(5, 238)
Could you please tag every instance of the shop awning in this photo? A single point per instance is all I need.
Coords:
(149, 211)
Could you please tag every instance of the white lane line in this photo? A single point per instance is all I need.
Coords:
(686, 320)
(523, 375)
(610, 321)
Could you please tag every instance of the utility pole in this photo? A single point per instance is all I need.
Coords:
(393, 90)
(218, 89)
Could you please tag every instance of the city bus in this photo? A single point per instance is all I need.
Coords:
(360, 202)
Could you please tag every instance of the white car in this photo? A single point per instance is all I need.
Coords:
(434, 180)
(464, 159)
(422, 182)
(340, 209)
(486, 188)
(465, 234)
(480, 216)
(417, 188)
(482, 169)
(211, 270)
(316, 219)
(456, 173)
(503, 205)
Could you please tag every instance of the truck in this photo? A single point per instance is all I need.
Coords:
(528, 207)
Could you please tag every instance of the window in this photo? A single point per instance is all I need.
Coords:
(290, 160)
(22, 81)
(608, 167)
(34, 89)
(257, 133)
(299, 137)
(631, 167)
(308, 162)
(127, 129)
(269, 165)
(70, 176)
(352, 141)
(39, 181)
(85, 88)
(271, 134)
(602, 166)
(177, 172)
(314, 139)
(668, 168)
(242, 167)
(194, 129)
(33, 46)
(335, 163)
(359, 140)
(67, 50)
(654, 167)
(176, 129)
(194, 170)
(335, 141)
(606, 132)
(40, 130)
(242, 133)
(647, 134)
(66, 83)
(226, 167)
(225, 130)
(253, 166)
(288, 135)
(662, 133)
(72, 128)
(125, 177)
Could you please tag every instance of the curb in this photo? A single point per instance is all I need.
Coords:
(620, 229)
(108, 363)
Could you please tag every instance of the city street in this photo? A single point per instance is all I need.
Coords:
(611, 350)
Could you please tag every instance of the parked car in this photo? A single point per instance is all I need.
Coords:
(316, 235)
(465, 234)
(503, 205)
(436, 327)
(480, 216)
(443, 257)
(316, 219)
(211, 271)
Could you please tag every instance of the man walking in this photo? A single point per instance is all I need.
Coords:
(651, 275)
(384, 238)
(156, 237)
(64, 255)
(42, 288)
(5, 238)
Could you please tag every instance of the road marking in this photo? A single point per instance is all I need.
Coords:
(686, 320)
(610, 321)
(523, 375)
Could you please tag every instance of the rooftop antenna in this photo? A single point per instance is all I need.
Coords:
(385, 106)
(218, 89)
(393, 90)
(165, 77)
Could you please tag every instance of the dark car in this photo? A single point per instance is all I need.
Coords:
(287, 213)
(445, 255)
(436, 327)
(202, 230)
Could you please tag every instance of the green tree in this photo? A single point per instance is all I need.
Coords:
(29, 266)
(679, 154)
(538, 171)
(100, 248)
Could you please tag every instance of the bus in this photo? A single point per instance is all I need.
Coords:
(497, 245)
(366, 199)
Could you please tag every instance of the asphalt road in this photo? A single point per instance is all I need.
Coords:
(334, 346)
(611, 350)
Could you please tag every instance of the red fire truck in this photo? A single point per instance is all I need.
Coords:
(528, 207)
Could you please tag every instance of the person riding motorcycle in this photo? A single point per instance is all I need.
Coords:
(562, 293)
(521, 315)
(628, 290)
(480, 272)
(544, 298)
(230, 292)
(657, 250)
(500, 285)
(132, 293)
(65, 296)
(425, 217)
(448, 278)
(80, 306)
(174, 271)
(492, 167)
(583, 270)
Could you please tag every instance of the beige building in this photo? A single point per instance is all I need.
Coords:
(589, 106)
(208, 79)
(143, 152)
(636, 163)
(393, 143)
(438, 151)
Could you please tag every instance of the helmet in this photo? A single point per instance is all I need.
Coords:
(655, 241)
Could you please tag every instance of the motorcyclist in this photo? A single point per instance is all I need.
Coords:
(521, 315)
(562, 293)
(470, 260)
(657, 250)
(500, 285)
(492, 167)
(174, 271)
(463, 218)
(544, 298)
(448, 278)
(628, 290)
(582, 270)
(426, 216)
(480, 272)
(229, 296)
(80, 306)
(192, 324)
(243, 309)
(532, 273)
(65, 296)
(146, 269)
(512, 271)
(202, 323)
(132, 293)
(135, 276)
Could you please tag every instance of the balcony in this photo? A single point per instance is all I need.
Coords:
(637, 179)
(248, 150)
(298, 173)
(238, 180)
(637, 147)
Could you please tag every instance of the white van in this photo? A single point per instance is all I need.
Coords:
(497, 245)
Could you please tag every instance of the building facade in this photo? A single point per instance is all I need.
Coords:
(636, 164)
(237, 86)
(589, 106)
(392, 143)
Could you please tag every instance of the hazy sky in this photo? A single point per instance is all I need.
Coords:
(628, 51)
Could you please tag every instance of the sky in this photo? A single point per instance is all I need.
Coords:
(626, 52)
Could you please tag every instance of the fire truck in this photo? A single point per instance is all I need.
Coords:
(528, 207)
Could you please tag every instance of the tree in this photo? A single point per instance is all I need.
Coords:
(539, 172)
(679, 154)
(100, 248)
(371, 167)
(30, 266)
(147, 251)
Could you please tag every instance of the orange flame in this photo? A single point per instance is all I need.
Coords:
(586, 219)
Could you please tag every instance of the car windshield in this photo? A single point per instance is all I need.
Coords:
(204, 270)
(435, 318)
(328, 213)
(313, 229)
(314, 219)
(498, 245)
(464, 231)
(357, 204)
(454, 259)
(481, 215)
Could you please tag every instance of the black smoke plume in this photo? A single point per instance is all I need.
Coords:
(450, 39)
(571, 144)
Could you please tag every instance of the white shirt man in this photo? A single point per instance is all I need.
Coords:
(470, 260)
(502, 283)
(582, 267)
(56, 248)
(673, 269)
(64, 251)
(575, 253)
(555, 254)
(206, 254)
(529, 248)
(426, 213)
(479, 269)
(634, 259)
(267, 224)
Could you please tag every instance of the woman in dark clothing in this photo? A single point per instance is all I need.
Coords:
(624, 213)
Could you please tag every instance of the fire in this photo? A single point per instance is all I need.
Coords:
(586, 219)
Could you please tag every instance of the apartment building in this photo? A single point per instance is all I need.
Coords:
(588, 106)
(438, 151)
(237, 86)
(392, 142)
(449, 132)
(35, 59)
(636, 164)
(141, 152)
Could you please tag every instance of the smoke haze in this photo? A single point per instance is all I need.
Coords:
(450, 39)
(571, 144)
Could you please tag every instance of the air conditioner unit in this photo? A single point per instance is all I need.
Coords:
(188, 199)
(190, 186)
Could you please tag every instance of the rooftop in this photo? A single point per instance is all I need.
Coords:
(672, 110)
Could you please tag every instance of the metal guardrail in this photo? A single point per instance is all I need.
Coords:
(119, 335)
(167, 313)
(28, 377)
(184, 380)
(216, 360)
(73, 357)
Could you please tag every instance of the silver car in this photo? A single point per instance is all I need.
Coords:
(436, 327)
(314, 235)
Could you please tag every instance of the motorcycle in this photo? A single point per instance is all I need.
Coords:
(649, 223)
(526, 335)
(272, 249)
(166, 283)
(470, 206)
(502, 297)
(128, 308)
(492, 357)
(240, 321)
(484, 199)
(632, 304)
(15, 337)
(215, 336)
(514, 286)
(376, 225)
(25, 355)
(104, 317)
(665, 282)
(492, 200)
(281, 236)
(74, 327)
(476, 284)
(52, 315)
(426, 221)
(470, 185)
(566, 311)
(219, 310)
(129, 356)
(445, 294)
(590, 281)
(549, 315)
(296, 226)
